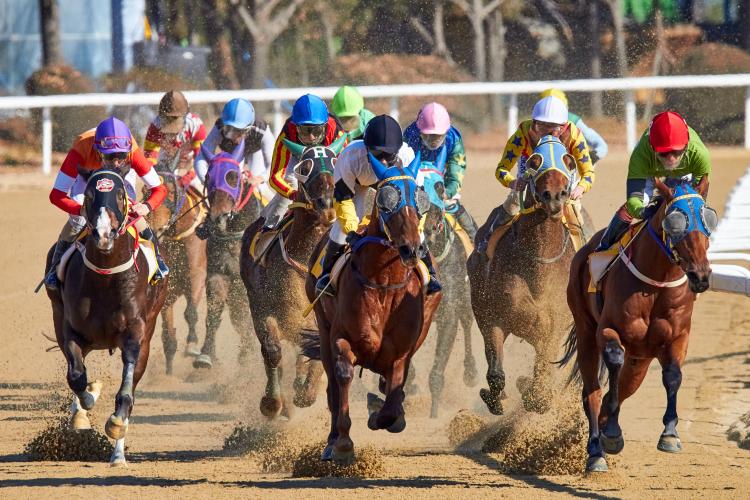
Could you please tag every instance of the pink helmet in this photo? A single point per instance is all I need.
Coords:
(433, 118)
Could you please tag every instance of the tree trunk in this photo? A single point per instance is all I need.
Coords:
(299, 48)
(480, 56)
(260, 63)
(596, 62)
(658, 58)
(497, 53)
(220, 64)
(440, 47)
(328, 20)
(49, 16)
(619, 22)
(744, 22)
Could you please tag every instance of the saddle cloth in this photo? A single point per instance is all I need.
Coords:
(461, 233)
(601, 262)
(263, 240)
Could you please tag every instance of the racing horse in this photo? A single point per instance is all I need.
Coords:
(444, 240)
(380, 314)
(106, 302)
(640, 310)
(233, 206)
(274, 276)
(517, 291)
(175, 221)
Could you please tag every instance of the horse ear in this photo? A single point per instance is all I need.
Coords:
(664, 190)
(378, 168)
(337, 145)
(415, 164)
(296, 149)
(702, 187)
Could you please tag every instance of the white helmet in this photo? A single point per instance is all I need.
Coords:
(551, 110)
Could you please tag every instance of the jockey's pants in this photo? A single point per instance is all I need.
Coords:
(279, 204)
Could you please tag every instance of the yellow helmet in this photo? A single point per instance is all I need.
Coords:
(554, 93)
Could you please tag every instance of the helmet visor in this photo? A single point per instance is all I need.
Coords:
(231, 132)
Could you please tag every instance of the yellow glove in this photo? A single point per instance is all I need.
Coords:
(346, 215)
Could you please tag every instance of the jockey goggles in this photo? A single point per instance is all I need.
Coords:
(674, 156)
(233, 133)
(546, 128)
(432, 141)
(115, 143)
(314, 131)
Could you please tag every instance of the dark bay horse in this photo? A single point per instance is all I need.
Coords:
(380, 313)
(106, 302)
(275, 281)
(175, 222)
(518, 292)
(233, 206)
(642, 311)
(441, 233)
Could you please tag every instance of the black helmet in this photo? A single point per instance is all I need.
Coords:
(383, 133)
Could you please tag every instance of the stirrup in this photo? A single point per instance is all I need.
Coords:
(433, 286)
(51, 281)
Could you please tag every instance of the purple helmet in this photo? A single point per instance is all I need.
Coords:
(113, 136)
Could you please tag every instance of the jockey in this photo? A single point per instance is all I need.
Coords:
(349, 107)
(353, 178)
(440, 142)
(110, 146)
(238, 123)
(668, 148)
(549, 117)
(596, 143)
(309, 125)
(175, 136)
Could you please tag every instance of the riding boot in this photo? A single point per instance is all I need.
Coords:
(613, 233)
(502, 217)
(466, 221)
(162, 269)
(333, 252)
(50, 280)
(434, 284)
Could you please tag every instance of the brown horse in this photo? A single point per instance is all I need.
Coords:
(106, 302)
(380, 313)
(175, 222)
(641, 310)
(275, 281)
(233, 206)
(518, 291)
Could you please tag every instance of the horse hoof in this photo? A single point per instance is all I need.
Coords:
(117, 460)
(372, 421)
(397, 426)
(470, 377)
(191, 350)
(270, 407)
(116, 428)
(327, 454)
(493, 402)
(596, 464)
(343, 457)
(80, 421)
(612, 445)
(303, 400)
(203, 361)
(669, 444)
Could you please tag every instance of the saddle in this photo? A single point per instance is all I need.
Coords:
(264, 240)
(463, 236)
(601, 262)
(143, 245)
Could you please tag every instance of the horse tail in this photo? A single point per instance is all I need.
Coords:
(571, 348)
(310, 344)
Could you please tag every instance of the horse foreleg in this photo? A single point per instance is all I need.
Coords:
(494, 339)
(239, 314)
(447, 328)
(86, 393)
(117, 425)
(195, 250)
(306, 381)
(614, 358)
(343, 448)
(217, 290)
(270, 348)
(168, 335)
(537, 393)
(332, 389)
(671, 378)
(470, 364)
(588, 365)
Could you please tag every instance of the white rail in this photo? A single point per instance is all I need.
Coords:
(512, 89)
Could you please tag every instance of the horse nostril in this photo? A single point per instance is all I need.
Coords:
(547, 195)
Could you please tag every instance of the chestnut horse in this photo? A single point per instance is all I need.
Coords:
(106, 302)
(380, 313)
(641, 310)
(233, 206)
(175, 222)
(518, 292)
(441, 235)
(275, 282)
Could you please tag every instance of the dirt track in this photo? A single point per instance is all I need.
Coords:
(179, 424)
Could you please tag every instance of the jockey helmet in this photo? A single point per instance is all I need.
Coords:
(550, 110)
(433, 118)
(554, 93)
(668, 132)
(238, 113)
(113, 136)
(173, 104)
(383, 134)
(309, 110)
(347, 102)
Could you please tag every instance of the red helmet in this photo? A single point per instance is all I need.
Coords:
(668, 132)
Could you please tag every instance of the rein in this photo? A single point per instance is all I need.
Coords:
(566, 243)
(362, 279)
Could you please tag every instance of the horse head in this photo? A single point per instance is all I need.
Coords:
(160, 217)
(400, 204)
(315, 175)
(105, 207)
(223, 185)
(434, 186)
(552, 170)
(687, 223)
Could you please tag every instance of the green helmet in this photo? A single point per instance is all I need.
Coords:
(347, 102)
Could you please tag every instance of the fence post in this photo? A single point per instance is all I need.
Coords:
(46, 140)
(394, 107)
(747, 118)
(630, 119)
(277, 118)
(513, 114)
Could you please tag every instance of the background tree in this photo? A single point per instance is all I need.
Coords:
(49, 16)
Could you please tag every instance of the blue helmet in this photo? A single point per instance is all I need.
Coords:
(309, 110)
(238, 113)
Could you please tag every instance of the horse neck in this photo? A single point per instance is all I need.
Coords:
(304, 233)
(121, 252)
(540, 235)
(649, 258)
(188, 215)
(376, 260)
